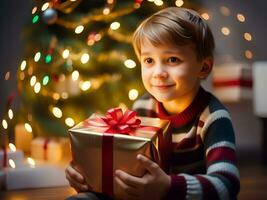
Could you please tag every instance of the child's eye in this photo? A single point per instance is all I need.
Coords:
(148, 60)
(173, 60)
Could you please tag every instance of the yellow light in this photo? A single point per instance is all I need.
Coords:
(85, 85)
(69, 122)
(205, 16)
(10, 114)
(31, 162)
(106, 11)
(28, 127)
(225, 11)
(179, 3)
(158, 2)
(7, 76)
(62, 77)
(30, 70)
(64, 95)
(79, 29)
(240, 17)
(34, 9)
(75, 75)
(45, 6)
(123, 106)
(37, 56)
(129, 63)
(248, 54)
(12, 163)
(4, 124)
(133, 94)
(150, 0)
(33, 81)
(57, 112)
(110, 1)
(21, 76)
(56, 96)
(225, 31)
(85, 58)
(98, 37)
(66, 53)
(247, 36)
(12, 147)
(115, 25)
(37, 87)
(23, 65)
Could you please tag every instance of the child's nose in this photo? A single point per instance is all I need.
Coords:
(160, 72)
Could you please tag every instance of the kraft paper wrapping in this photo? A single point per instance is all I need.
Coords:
(86, 145)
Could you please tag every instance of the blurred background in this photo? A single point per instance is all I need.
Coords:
(63, 60)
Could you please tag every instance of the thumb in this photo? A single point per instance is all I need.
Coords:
(152, 167)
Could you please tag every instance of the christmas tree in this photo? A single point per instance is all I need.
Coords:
(78, 59)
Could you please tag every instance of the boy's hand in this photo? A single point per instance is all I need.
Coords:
(153, 185)
(75, 179)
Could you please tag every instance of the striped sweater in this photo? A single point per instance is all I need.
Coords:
(203, 162)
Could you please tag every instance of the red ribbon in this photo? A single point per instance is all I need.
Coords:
(45, 147)
(115, 121)
(4, 157)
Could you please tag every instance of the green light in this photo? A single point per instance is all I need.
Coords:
(46, 80)
(35, 19)
(48, 58)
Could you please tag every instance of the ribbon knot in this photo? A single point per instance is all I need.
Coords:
(115, 121)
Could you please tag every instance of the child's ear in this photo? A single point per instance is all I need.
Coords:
(207, 64)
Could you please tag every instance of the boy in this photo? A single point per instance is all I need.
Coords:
(175, 47)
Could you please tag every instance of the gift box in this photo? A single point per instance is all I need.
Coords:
(232, 82)
(48, 149)
(23, 138)
(6, 154)
(102, 144)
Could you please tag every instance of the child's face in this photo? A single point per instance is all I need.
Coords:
(169, 73)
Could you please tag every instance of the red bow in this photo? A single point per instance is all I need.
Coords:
(115, 121)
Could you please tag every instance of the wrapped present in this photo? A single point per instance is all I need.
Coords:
(23, 138)
(48, 149)
(232, 82)
(102, 144)
(6, 154)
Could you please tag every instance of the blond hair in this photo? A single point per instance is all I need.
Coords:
(176, 26)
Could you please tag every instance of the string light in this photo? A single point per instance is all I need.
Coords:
(48, 58)
(37, 87)
(85, 58)
(225, 30)
(64, 95)
(46, 80)
(34, 9)
(28, 127)
(205, 16)
(247, 36)
(115, 25)
(57, 112)
(12, 147)
(37, 56)
(10, 114)
(75, 75)
(248, 54)
(35, 19)
(158, 2)
(129, 63)
(69, 122)
(79, 29)
(56, 96)
(12, 163)
(66, 53)
(106, 11)
(4, 124)
(33, 81)
(31, 162)
(133, 94)
(45, 6)
(7, 76)
(240, 17)
(23, 65)
(85, 85)
(21, 76)
(179, 3)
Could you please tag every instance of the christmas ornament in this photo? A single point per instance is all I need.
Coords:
(50, 16)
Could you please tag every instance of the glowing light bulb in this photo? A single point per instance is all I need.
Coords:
(248, 54)
(158, 2)
(57, 112)
(85, 58)
(31, 162)
(240, 17)
(28, 127)
(85, 85)
(37, 56)
(12, 147)
(225, 30)
(129, 63)
(133, 94)
(12, 163)
(79, 29)
(33, 81)
(37, 87)
(4, 124)
(179, 3)
(205, 16)
(34, 9)
(115, 25)
(247, 36)
(10, 114)
(23, 65)
(106, 11)
(45, 6)
(66, 53)
(69, 122)
(75, 75)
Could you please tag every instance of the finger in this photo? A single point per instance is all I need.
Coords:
(76, 185)
(130, 191)
(128, 179)
(152, 167)
(74, 174)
